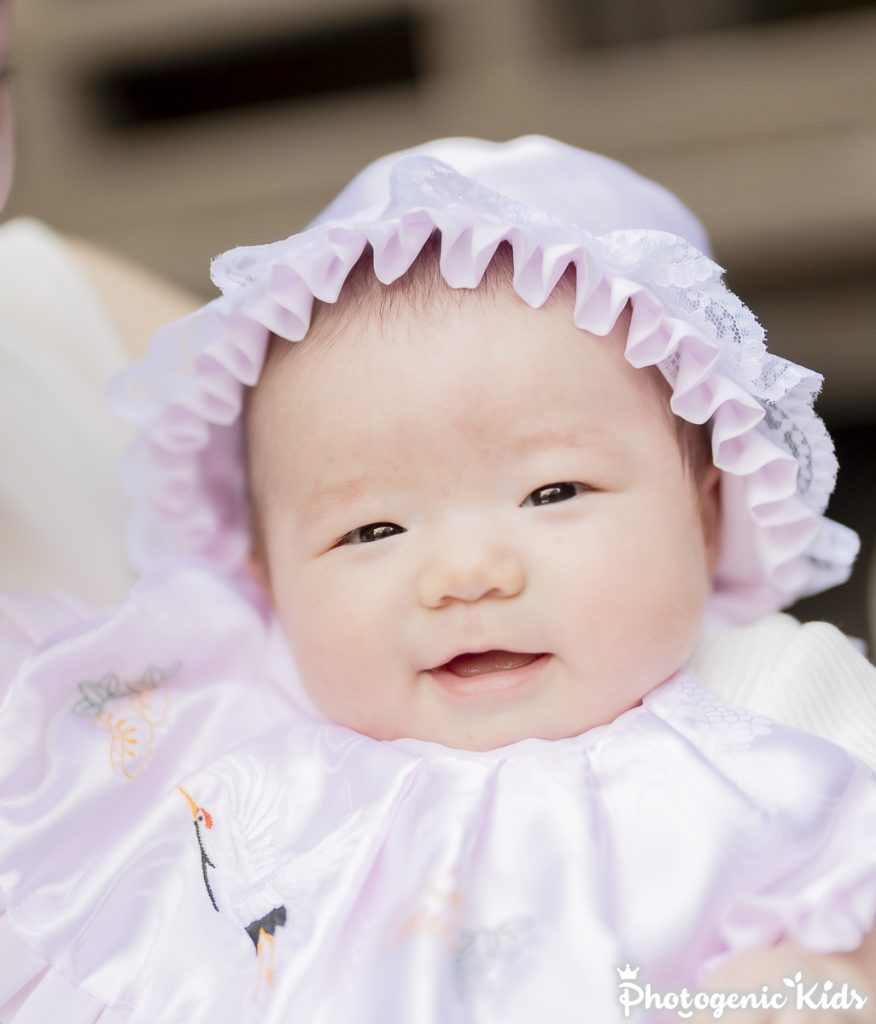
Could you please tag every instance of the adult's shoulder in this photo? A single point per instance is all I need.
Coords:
(71, 315)
(132, 301)
(136, 300)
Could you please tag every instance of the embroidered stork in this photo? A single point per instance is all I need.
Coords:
(261, 930)
(272, 850)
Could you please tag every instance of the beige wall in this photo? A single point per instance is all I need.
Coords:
(767, 131)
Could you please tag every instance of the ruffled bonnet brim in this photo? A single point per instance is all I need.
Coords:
(185, 471)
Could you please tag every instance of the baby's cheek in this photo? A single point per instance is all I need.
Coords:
(339, 652)
(660, 594)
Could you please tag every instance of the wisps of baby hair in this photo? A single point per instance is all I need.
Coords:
(423, 292)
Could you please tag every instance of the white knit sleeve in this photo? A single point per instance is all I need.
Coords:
(809, 676)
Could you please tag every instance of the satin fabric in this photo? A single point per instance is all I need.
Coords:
(162, 790)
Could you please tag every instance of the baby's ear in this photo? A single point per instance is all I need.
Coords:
(710, 512)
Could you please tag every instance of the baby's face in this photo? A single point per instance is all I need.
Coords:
(480, 478)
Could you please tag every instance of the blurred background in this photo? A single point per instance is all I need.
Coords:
(169, 131)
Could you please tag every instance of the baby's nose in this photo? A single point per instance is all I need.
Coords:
(470, 575)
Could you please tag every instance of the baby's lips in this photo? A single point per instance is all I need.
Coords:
(488, 661)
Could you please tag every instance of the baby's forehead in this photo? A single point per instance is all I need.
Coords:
(399, 321)
(418, 318)
(421, 309)
(370, 361)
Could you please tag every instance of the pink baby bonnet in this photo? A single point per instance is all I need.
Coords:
(631, 242)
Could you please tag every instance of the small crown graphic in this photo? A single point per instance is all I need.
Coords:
(628, 973)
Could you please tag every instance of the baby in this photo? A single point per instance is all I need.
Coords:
(409, 651)
(485, 499)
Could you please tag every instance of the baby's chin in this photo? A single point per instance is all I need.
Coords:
(481, 733)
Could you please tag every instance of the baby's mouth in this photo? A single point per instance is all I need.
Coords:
(489, 675)
(465, 665)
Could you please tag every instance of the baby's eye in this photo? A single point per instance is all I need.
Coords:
(371, 532)
(552, 493)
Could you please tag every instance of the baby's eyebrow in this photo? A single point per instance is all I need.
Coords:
(545, 439)
(331, 496)
(585, 439)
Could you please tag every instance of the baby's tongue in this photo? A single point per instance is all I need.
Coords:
(488, 661)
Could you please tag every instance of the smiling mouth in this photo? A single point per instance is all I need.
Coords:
(489, 673)
(466, 665)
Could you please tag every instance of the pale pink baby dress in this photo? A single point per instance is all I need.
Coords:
(183, 838)
(161, 794)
